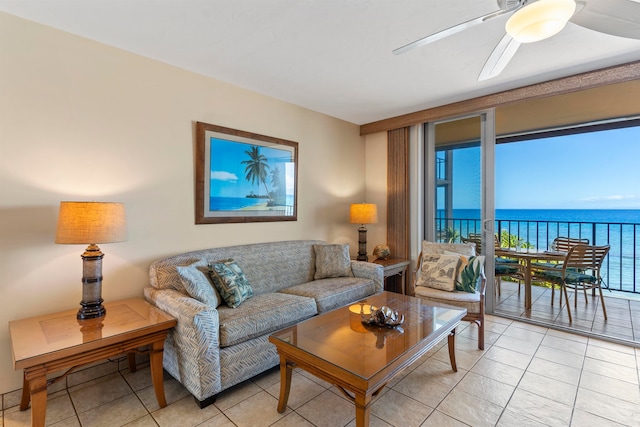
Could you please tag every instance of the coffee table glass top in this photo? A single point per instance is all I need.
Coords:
(340, 338)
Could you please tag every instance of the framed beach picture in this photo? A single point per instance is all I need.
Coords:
(244, 177)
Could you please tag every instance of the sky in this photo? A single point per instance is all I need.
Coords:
(594, 170)
(228, 173)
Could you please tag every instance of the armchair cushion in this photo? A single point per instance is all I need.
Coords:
(230, 281)
(332, 261)
(439, 271)
(470, 301)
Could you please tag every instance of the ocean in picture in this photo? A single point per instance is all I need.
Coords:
(233, 203)
(619, 228)
(237, 203)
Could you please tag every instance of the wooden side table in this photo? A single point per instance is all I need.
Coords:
(393, 267)
(58, 341)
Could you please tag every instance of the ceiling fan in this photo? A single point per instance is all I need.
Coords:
(535, 20)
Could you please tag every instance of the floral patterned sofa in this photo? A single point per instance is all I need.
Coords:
(214, 346)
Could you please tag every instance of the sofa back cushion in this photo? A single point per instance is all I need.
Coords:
(269, 267)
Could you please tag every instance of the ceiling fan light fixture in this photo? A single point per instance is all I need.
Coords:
(540, 20)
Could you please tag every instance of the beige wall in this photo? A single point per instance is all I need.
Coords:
(84, 121)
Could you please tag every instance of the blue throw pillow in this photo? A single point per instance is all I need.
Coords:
(230, 281)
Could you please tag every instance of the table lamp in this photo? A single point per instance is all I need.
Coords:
(363, 213)
(91, 223)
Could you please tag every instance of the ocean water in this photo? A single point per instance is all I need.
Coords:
(631, 216)
(619, 228)
(236, 203)
(232, 203)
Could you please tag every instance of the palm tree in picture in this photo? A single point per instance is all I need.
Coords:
(256, 168)
(278, 190)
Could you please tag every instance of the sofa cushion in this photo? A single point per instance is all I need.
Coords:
(332, 261)
(230, 281)
(439, 271)
(197, 282)
(470, 301)
(261, 315)
(334, 292)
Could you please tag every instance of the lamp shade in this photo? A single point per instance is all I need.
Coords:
(91, 222)
(363, 213)
(540, 20)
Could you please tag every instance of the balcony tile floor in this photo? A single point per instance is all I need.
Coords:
(623, 312)
(527, 375)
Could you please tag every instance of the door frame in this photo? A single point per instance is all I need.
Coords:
(487, 189)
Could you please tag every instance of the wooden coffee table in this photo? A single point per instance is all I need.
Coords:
(58, 341)
(359, 360)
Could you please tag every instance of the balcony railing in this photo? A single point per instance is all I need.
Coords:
(621, 268)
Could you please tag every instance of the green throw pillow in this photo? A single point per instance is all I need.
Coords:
(230, 281)
(470, 273)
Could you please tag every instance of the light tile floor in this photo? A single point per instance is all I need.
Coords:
(527, 376)
(623, 311)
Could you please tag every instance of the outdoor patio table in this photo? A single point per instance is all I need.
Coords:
(526, 256)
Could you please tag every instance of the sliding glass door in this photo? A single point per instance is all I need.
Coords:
(459, 200)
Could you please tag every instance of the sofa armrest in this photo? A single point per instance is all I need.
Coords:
(369, 270)
(192, 349)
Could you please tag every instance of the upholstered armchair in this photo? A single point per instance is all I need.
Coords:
(451, 274)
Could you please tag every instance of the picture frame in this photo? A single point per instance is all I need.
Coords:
(244, 177)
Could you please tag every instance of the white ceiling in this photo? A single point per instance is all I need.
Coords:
(331, 56)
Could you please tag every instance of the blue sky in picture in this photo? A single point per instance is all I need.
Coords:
(228, 173)
(594, 170)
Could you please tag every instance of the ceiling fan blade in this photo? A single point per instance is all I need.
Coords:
(616, 17)
(449, 31)
(499, 58)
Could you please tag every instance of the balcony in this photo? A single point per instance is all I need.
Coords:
(620, 272)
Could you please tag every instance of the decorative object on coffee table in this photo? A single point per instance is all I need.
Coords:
(91, 223)
(363, 213)
(382, 252)
(384, 316)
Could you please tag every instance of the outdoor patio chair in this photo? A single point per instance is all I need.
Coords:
(559, 244)
(472, 301)
(580, 271)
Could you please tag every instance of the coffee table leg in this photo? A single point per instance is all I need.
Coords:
(285, 384)
(362, 410)
(131, 358)
(155, 357)
(452, 349)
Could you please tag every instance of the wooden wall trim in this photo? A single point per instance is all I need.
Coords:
(588, 80)
(398, 193)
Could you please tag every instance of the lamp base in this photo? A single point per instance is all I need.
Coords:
(362, 244)
(91, 284)
(91, 310)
